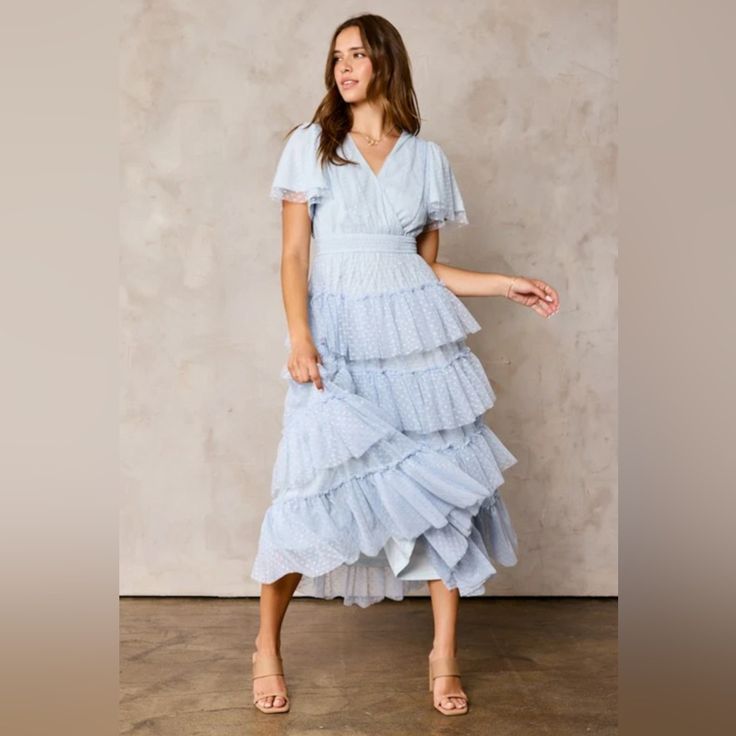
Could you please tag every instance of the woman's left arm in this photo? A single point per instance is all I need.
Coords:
(533, 293)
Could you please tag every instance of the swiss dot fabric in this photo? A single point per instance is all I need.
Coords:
(390, 476)
(414, 190)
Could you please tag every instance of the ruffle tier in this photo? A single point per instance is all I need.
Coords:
(451, 390)
(389, 324)
(354, 566)
(379, 417)
(441, 388)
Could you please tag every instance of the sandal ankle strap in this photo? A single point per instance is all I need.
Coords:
(267, 664)
(444, 666)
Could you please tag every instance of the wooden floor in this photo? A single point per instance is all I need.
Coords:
(530, 666)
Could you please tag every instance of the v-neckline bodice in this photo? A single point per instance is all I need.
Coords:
(386, 160)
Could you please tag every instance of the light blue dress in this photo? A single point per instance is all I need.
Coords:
(390, 476)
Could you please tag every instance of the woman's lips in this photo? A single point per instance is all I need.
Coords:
(348, 83)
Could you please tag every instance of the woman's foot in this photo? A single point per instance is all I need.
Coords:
(270, 682)
(447, 683)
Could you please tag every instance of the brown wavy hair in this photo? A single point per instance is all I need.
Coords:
(391, 85)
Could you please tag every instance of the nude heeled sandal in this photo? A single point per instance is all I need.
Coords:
(263, 666)
(442, 667)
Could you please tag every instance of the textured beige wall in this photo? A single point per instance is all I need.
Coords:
(522, 97)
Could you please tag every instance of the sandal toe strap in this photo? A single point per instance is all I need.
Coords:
(260, 696)
(452, 695)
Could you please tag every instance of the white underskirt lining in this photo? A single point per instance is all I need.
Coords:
(409, 561)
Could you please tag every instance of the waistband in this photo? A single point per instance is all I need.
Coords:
(370, 242)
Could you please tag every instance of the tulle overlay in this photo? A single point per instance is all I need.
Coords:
(395, 450)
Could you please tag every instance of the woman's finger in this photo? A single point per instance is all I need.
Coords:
(539, 288)
(300, 373)
(541, 293)
(532, 293)
(548, 301)
(551, 292)
(315, 376)
(539, 309)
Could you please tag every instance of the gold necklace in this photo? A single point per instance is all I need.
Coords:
(373, 141)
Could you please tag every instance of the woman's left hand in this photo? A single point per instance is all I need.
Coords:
(534, 293)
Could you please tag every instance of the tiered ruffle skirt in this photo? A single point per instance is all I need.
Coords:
(390, 475)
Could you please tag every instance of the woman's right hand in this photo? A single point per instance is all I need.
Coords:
(302, 362)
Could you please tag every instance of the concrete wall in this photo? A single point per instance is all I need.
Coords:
(522, 97)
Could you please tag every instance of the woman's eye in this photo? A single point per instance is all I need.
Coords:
(335, 59)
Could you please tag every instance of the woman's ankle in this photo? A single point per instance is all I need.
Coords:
(267, 644)
(443, 649)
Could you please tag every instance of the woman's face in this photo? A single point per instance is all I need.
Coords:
(351, 65)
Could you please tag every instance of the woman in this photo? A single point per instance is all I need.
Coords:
(386, 477)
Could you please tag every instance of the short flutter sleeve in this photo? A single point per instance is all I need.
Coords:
(443, 199)
(299, 177)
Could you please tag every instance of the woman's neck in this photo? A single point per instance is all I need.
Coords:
(368, 119)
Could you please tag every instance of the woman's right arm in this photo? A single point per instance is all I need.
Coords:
(296, 235)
